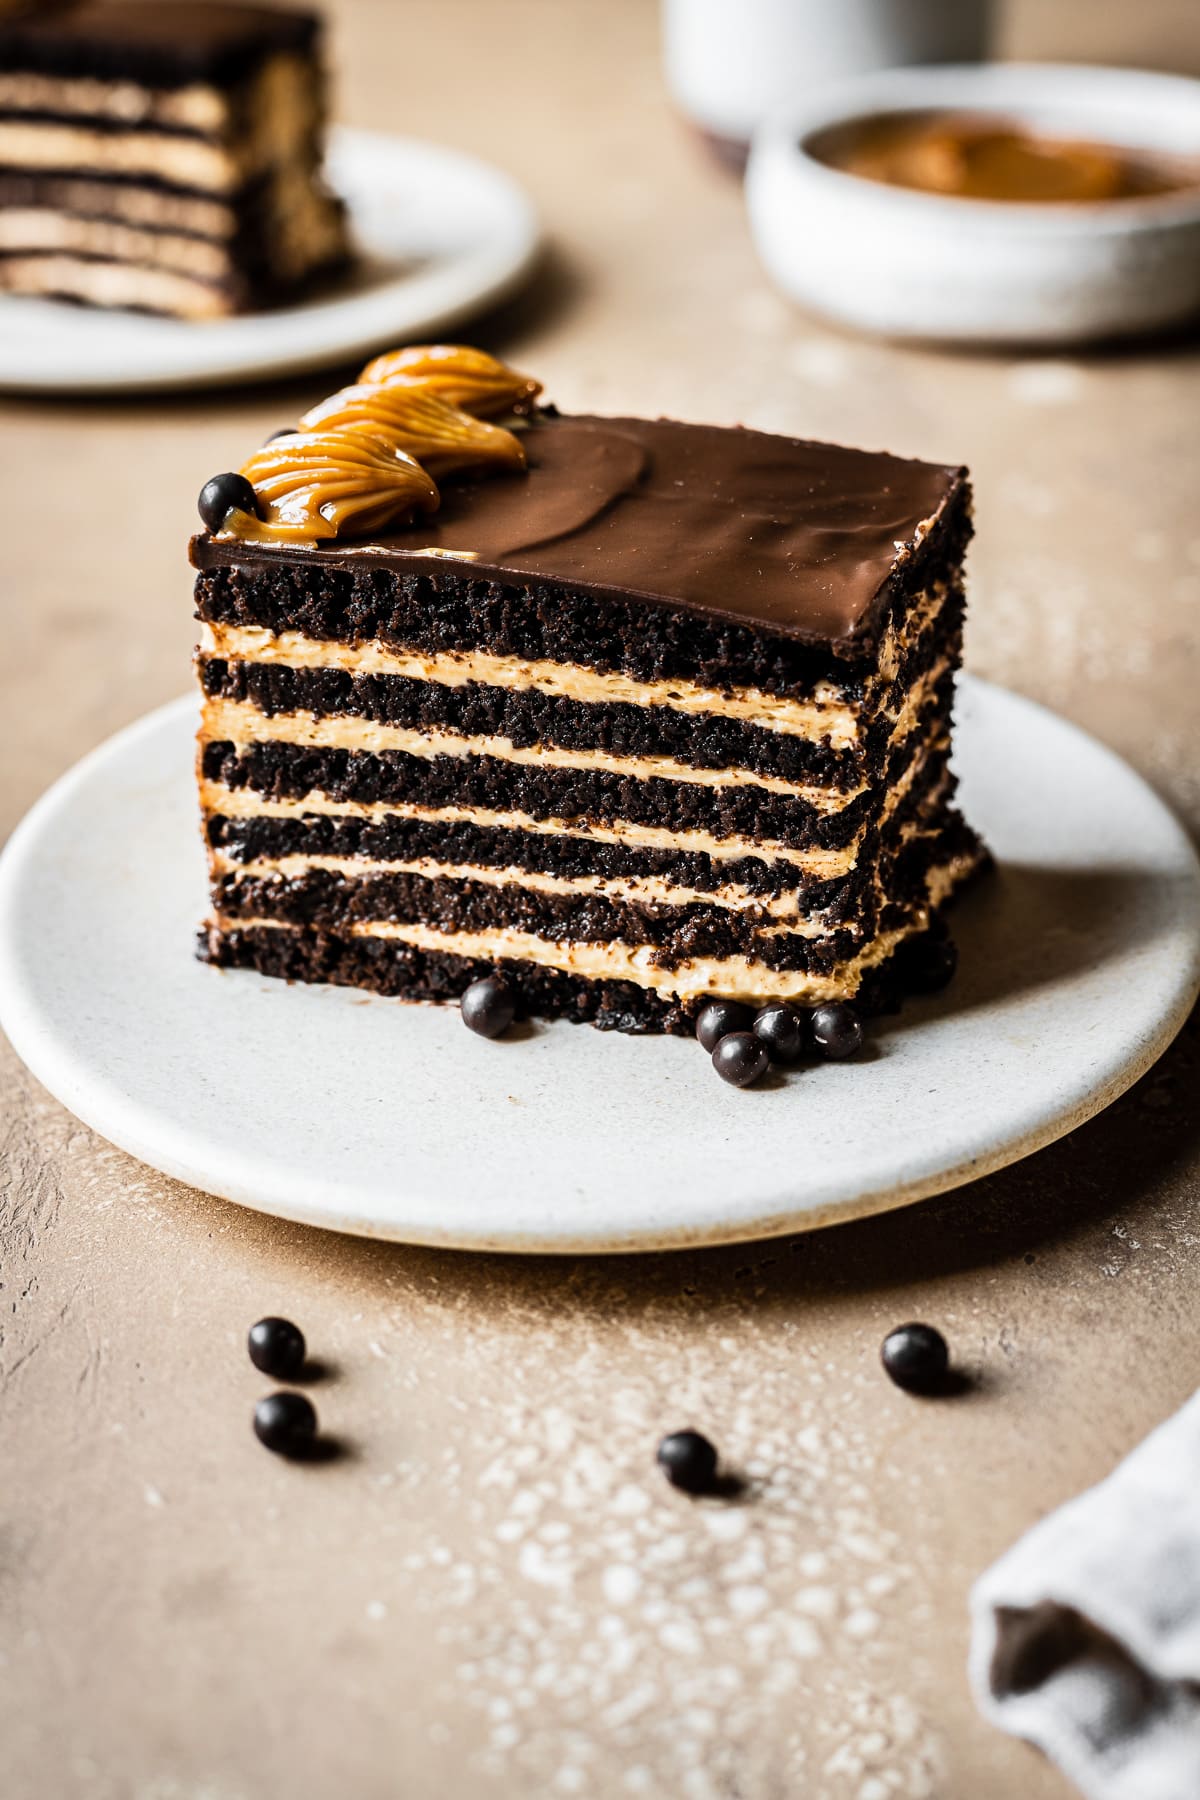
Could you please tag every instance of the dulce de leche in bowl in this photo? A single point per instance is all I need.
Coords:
(986, 204)
(982, 157)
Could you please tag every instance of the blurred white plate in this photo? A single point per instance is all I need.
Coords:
(440, 236)
(934, 266)
(1079, 962)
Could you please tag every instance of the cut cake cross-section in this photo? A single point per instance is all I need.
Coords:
(644, 713)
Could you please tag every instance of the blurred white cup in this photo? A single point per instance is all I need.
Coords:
(730, 62)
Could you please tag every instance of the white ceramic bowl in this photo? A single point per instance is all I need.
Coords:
(728, 65)
(908, 264)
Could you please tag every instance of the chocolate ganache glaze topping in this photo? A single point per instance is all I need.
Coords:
(145, 41)
(789, 534)
(783, 533)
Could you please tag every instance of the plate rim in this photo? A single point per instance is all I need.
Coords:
(505, 271)
(77, 1085)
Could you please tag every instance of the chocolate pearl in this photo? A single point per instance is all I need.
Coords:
(916, 1357)
(286, 1424)
(688, 1461)
(837, 1030)
(717, 1018)
(782, 1031)
(741, 1058)
(276, 1347)
(220, 496)
(488, 1007)
(928, 963)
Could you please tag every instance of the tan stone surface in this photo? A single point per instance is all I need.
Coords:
(492, 1593)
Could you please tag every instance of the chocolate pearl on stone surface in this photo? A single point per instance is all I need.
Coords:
(277, 1347)
(286, 1424)
(688, 1461)
(916, 1357)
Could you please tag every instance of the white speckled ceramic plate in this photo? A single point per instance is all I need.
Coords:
(440, 236)
(1079, 962)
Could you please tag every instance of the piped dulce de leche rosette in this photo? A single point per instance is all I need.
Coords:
(370, 455)
(638, 713)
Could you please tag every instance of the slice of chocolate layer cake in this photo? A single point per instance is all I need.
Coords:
(639, 713)
(162, 157)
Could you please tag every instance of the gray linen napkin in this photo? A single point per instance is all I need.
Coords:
(1085, 1636)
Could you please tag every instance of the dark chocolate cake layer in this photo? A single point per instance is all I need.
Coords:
(528, 718)
(286, 770)
(390, 838)
(407, 973)
(817, 931)
(329, 901)
(157, 45)
(415, 608)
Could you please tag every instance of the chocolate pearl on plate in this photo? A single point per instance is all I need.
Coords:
(741, 1058)
(782, 1031)
(717, 1018)
(837, 1030)
(488, 1007)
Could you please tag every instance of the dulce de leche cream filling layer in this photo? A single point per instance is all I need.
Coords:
(123, 203)
(112, 284)
(824, 716)
(189, 162)
(644, 889)
(31, 229)
(196, 108)
(238, 722)
(164, 132)
(244, 803)
(731, 977)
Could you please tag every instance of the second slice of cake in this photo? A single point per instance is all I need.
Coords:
(164, 157)
(638, 712)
